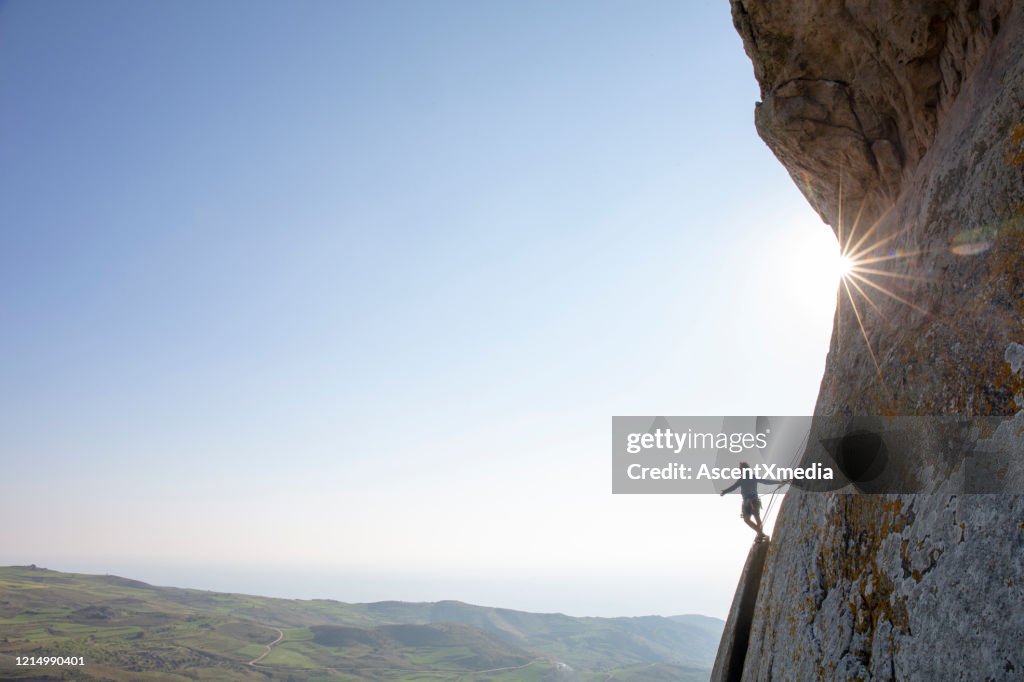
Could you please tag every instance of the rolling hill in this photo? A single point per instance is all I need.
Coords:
(129, 630)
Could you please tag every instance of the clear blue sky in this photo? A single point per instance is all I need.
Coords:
(337, 299)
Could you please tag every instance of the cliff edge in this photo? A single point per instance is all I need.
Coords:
(903, 124)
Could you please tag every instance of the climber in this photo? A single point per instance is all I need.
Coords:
(747, 484)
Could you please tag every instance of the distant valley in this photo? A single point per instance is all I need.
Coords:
(129, 630)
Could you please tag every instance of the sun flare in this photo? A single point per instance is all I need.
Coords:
(845, 266)
(870, 268)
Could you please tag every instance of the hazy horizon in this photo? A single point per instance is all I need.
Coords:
(341, 298)
(530, 596)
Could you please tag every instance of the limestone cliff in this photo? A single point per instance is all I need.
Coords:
(902, 121)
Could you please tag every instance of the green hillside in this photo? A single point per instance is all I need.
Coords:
(128, 630)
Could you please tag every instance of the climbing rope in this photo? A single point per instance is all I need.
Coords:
(792, 462)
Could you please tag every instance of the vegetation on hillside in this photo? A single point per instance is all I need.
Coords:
(129, 630)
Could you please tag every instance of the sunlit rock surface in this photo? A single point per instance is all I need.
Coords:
(903, 124)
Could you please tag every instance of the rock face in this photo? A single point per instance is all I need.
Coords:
(735, 640)
(902, 121)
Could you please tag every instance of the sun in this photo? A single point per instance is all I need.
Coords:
(845, 265)
(865, 271)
